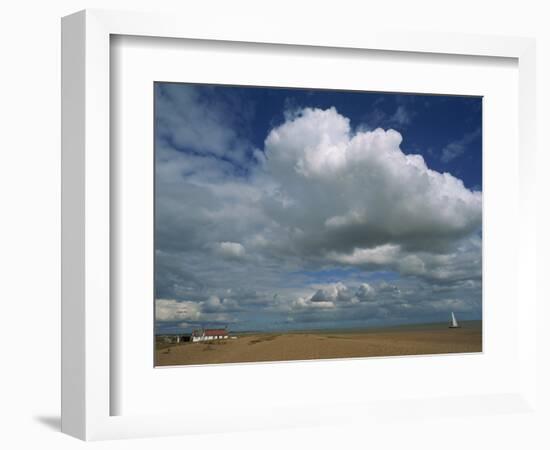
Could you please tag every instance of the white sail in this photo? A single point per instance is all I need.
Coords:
(453, 320)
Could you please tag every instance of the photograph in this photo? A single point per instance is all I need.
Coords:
(295, 224)
(246, 225)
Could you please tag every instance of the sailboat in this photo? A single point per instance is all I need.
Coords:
(454, 322)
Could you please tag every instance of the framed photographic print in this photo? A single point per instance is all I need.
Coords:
(287, 223)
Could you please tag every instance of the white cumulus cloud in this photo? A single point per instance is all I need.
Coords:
(339, 190)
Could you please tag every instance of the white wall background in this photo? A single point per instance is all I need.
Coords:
(30, 195)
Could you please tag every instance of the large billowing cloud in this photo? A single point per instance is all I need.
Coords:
(238, 237)
(346, 192)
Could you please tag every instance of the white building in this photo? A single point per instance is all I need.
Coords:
(209, 334)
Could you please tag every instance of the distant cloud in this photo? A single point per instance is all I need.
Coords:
(376, 302)
(211, 311)
(336, 292)
(342, 294)
(401, 116)
(457, 148)
(215, 304)
(173, 310)
(203, 121)
(232, 250)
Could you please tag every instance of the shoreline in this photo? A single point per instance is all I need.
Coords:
(375, 328)
(326, 344)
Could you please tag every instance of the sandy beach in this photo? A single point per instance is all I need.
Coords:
(415, 340)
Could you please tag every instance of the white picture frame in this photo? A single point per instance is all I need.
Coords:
(87, 386)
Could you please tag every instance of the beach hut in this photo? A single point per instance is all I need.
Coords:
(216, 333)
(209, 334)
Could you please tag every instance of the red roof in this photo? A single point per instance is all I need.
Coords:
(216, 332)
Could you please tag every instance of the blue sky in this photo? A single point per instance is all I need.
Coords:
(298, 208)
